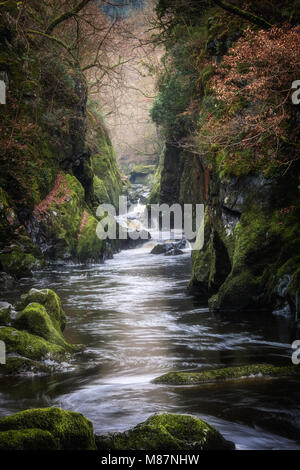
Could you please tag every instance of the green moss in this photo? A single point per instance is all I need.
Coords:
(143, 169)
(167, 432)
(239, 291)
(90, 248)
(35, 319)
(30, 346)
(229, 373)
(100, 191)
(19, 264)
(28, 439)
(50, 300)
(69, 430)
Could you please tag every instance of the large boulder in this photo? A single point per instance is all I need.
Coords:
(36, 320)
(166, 432)
(50, 300)
(46, 429)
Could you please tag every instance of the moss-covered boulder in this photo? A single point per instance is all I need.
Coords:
(30, 346)
(253, 371)
(35, 319)
(35, 335)
(45, 429)
(50, 300)
(166, 432)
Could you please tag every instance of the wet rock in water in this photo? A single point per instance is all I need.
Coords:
(169, 248)
(228, 373)
(46, 429)
(36, 320)
(50, 300)
(30, 346)
(174, 252)
(167, 432)
(5, 311)
(158, 250)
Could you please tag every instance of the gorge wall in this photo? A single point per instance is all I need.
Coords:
(57, 161)
(247, 177)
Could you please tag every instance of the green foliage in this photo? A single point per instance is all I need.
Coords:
(171, 102)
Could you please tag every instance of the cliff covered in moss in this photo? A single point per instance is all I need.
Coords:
(232, 142)
(57, 161)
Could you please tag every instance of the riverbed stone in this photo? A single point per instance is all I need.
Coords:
(45, 429)
(166, 432)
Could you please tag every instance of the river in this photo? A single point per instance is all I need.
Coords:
(137, 321)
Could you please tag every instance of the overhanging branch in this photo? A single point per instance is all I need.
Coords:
(246, 15)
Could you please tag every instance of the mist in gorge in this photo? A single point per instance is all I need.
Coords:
(126, 103)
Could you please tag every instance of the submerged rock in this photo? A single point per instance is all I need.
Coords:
(227, 373)
(46, 429)
(167, 432)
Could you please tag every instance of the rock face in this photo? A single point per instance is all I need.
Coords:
(250, 259)
(60, 165)
(35, 336)
(46, 429)
(250, 251)
(166, 432)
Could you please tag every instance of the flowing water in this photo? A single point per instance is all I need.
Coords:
(137, 322)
